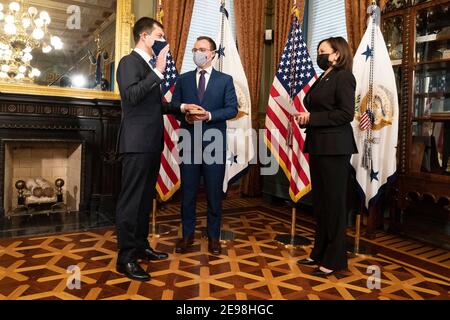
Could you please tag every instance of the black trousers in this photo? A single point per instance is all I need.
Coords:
(329, 179)
(139, 175)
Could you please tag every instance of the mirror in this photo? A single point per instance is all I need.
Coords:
(46, 45)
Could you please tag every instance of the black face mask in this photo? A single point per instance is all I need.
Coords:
(322, 61)
(158, 46)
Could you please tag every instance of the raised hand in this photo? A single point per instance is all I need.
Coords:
(161, 59)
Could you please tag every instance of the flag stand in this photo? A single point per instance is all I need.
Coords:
(157, 230)
(356, 250)
(292, 240)
(226, 235)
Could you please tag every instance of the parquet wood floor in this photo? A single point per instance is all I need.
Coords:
(253, 266)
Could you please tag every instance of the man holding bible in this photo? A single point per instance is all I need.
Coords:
(215, 93)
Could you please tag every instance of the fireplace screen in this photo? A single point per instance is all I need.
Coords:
(42, 177)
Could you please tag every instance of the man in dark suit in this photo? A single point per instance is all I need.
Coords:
(140, 144)
(215, 92)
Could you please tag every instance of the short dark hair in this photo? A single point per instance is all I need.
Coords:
(144, 24)
(339, 44)
(212, 43)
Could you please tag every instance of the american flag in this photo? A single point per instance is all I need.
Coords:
(169, 174)
(366, 120)
(284, 138)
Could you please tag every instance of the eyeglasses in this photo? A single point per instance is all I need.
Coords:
(203, 50)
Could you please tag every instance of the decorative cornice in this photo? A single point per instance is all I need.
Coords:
(35, 109)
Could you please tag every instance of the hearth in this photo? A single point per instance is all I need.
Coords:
(42, 177)
(50, 140)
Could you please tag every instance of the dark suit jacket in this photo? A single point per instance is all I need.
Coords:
(331, 102)
(142, 126)
(220, 99)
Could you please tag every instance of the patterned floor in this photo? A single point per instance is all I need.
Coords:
(253, 266)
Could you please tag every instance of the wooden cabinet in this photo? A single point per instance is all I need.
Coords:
(417, 34)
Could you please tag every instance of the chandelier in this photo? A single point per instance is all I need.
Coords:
(21, 31)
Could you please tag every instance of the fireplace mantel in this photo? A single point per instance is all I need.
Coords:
(93, 122)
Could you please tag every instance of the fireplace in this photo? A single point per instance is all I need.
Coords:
(58, 138)
(31, 163)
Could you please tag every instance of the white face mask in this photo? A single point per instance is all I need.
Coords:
(200, 59)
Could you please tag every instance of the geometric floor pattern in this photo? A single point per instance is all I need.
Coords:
(252, 266)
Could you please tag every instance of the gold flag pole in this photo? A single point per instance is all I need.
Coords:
(358, 233)
(294, 219)
(357, 247)
(225, 235)
(155, 208)
(158, 230)
(291, 240)
(357, 250)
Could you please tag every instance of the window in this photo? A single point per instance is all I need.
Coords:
(206, 20)
(326, 18)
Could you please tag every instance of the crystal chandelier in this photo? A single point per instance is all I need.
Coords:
(21, 31)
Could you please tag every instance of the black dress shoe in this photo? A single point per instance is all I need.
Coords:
(184, 244)
(133, 271)
(214, 246)
(307, 262)
(152, 255)
(320, 273)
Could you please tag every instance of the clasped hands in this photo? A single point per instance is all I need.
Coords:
(195, 113)
(302, 118)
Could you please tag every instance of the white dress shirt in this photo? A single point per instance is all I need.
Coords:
(147, 58)
(207, 77)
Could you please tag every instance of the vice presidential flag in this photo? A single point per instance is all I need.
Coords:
(240, 147)
(376, 113)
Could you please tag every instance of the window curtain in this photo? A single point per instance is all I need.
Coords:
(282, 24)
(250, 22)
(356, 16)
(176, 21)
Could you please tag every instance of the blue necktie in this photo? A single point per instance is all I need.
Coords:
(153, 62)
(201, 86)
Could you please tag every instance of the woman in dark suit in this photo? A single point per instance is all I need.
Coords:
(330, 144)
